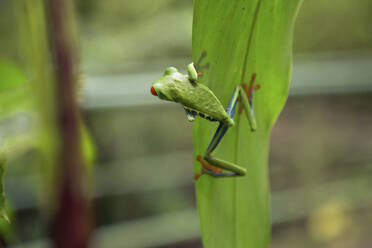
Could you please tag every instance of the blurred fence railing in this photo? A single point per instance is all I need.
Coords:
(322, 74)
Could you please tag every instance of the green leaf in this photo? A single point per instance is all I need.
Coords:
(87, 146)
(10, 76)
(239, 38)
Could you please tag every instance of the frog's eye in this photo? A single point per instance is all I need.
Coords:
(170, 70)
(153, 91)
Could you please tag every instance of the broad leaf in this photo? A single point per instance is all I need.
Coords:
(239, 38)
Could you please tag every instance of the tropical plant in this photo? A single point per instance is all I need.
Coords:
(239, 39)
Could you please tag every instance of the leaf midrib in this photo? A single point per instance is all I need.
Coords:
(244, 70)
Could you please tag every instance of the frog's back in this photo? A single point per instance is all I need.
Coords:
(200, 100)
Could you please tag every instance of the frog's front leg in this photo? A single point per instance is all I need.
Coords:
(191, 71)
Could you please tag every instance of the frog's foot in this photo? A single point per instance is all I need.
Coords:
(207, 168)
(197, 175)
(252, 87)
(199, 64)
(249, 90)
(211, 170)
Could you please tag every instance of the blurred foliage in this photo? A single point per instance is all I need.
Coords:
(3, 212)
(130, 35)
(321, 149)
(14, 89)
(11, 77)
(336, 25)
(36, 59)
(134, 35)
(13, 95)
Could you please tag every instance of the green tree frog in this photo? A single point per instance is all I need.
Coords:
(198, 100)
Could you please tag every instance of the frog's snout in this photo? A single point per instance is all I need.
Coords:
(153, 91)
(160, 90)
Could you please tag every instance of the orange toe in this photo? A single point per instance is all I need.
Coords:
(199, 158)
(196, 176)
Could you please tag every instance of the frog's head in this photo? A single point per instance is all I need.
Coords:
(165, 87)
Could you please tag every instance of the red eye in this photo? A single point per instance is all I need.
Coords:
(153, 91)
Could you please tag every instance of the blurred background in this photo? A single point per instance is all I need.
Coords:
(320, 160)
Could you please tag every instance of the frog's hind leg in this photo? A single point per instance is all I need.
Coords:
(208, 168)
(249, 90)
(214, 166)
(211, 170)
(222, 128)
(217, 137)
